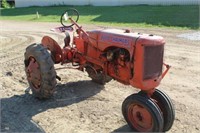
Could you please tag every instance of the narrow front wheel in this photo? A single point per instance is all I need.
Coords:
(167, 108)
(142, 114)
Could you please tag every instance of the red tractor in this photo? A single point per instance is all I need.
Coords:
(134, 59)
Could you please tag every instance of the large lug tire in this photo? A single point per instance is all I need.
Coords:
(167, 108)
(142, 114)
(98, 77)
(40, 72)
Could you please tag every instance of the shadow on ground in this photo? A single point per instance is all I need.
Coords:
(18, 110)
(123, 129)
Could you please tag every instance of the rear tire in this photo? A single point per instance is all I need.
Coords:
(101, 79)
(98, 77)
(40, 72)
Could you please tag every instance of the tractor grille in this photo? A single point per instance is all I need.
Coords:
(153, 60)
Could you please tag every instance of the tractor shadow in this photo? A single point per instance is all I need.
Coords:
(18, 110)
(123, 129)
(126, 129)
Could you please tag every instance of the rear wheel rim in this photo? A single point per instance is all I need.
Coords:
(140, 117)
(33, 74)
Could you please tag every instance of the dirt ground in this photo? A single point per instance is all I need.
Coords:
(81, 106)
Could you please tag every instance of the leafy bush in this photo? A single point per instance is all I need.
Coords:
(5, 4)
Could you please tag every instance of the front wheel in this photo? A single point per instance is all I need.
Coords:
(142, 114)
(166, 106)
(40, 72)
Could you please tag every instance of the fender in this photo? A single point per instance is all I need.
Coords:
(52, 45)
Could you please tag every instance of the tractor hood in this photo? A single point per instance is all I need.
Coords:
(105, 38)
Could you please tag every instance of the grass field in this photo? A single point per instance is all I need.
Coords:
(131, 16)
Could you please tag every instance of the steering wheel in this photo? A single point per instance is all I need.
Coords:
(69, 13)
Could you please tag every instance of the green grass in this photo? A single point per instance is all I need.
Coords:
(130, 16)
